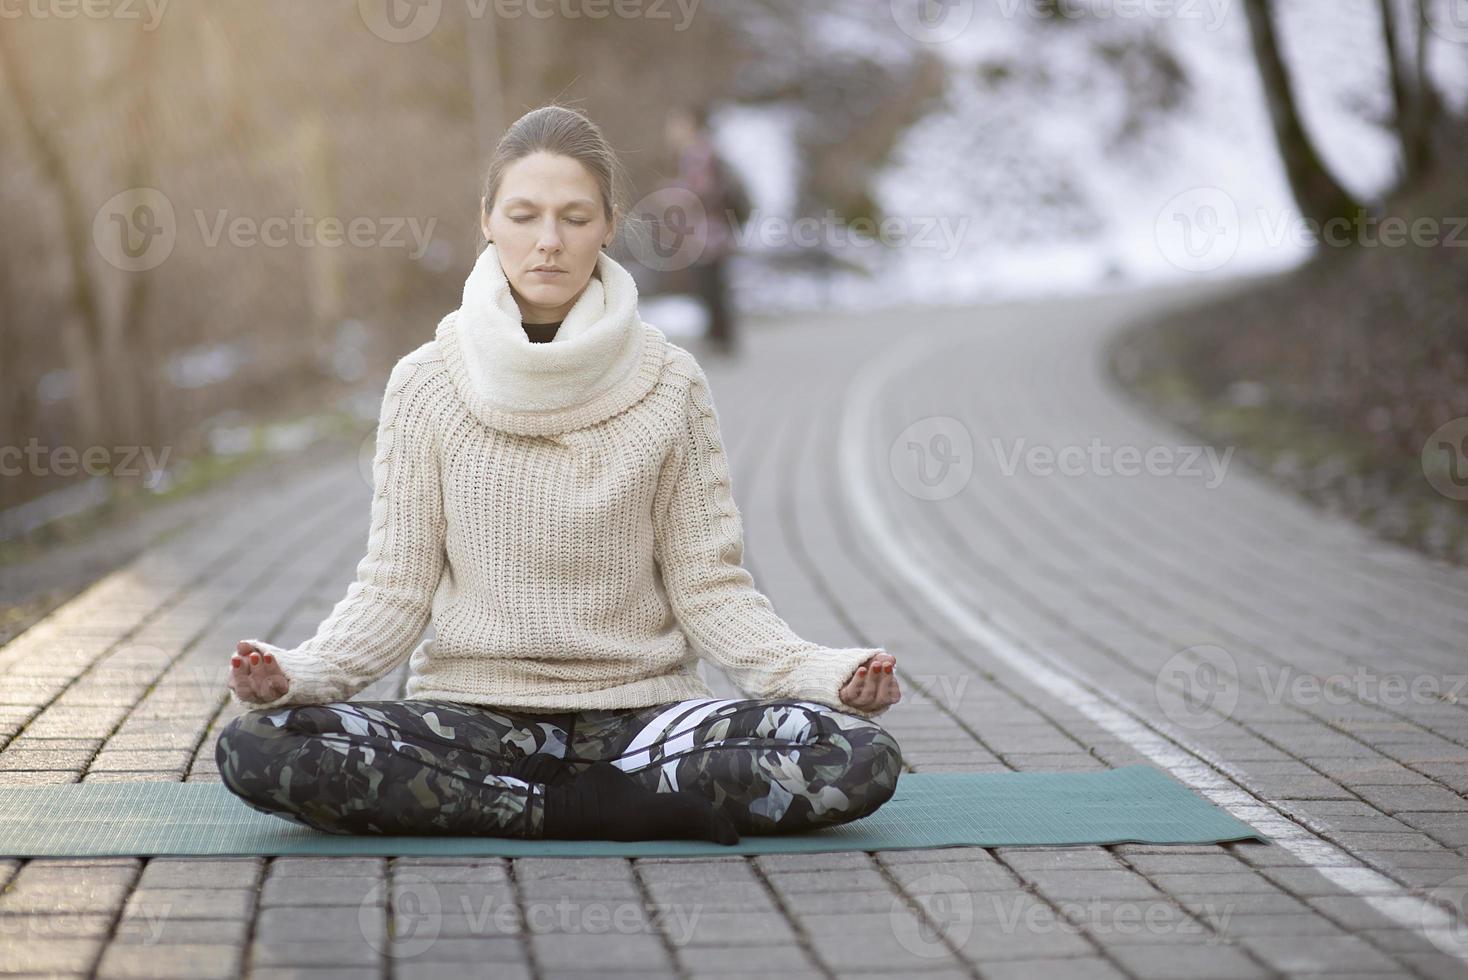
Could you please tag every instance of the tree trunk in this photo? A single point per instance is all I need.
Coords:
(84, 331)
(1318, 195)
(1403, 104)
(1426, 107)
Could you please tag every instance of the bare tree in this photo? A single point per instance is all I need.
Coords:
(1413, 99)
(1319, 195)
(83, 333)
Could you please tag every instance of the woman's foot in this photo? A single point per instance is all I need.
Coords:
(605, 803)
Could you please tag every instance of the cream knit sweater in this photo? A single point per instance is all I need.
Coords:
(562, 513)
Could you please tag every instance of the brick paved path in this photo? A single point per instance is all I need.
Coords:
(1045, 616)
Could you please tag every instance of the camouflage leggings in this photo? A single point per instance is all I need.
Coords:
(419, 766)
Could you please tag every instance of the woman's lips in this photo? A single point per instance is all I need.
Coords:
(548, 272)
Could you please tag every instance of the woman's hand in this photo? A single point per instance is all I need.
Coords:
(874, 684)
(255, 676)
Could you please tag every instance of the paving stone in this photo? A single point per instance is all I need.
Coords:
(1018, 939)
(129, 760)
(757, 959)
(183, 960)
(493, 952)
(25, 927)
(1244, 903)
(557, 952)
(713, 872)
(1075, 968)
(51, 956)
(39, 888)
(834, 861)
(293, 924)
(1213, 882)
(1056, 859)
(926, 878)
(799, 882)
(828, 903)
(723, 928)
(873, 942)
(146, 931)
(191, 903)
(578, 869)
(489, 920)
(1235, 926)
(315, 952)
(321, 891)
(734, 896)
(446, 873)
(1449, 829)
(1322, 954)
(1193, 962)
(328, 867)
(412, 970)
(123, 776)
(165, 872)
(66, 759)
(1085, 884)
(1401, 799)
(1303, 882)
(548, 889)
(1155, 864)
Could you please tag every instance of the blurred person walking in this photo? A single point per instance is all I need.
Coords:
(726, 208)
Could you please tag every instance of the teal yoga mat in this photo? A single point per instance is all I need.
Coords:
(1132, 804)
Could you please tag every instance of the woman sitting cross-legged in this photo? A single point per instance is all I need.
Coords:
(552, 494)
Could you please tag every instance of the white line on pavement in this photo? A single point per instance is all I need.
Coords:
(1192, 765)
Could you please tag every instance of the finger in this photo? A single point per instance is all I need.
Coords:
(869, 685)
(884, 689)
(265, 675)
(279, 684)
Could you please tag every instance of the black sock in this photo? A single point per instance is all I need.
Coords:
(605, 803)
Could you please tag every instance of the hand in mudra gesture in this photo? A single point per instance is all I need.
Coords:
(874, 684)
(255, 676)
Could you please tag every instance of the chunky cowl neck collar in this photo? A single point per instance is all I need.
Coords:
(602, 360)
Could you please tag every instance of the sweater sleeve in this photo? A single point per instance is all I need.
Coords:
(700, 549)
(375, 625)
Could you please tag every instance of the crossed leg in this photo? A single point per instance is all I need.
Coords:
(440, 767)
(390, 767)
(772, 765)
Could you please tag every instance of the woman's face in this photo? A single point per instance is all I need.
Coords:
(548, 211)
